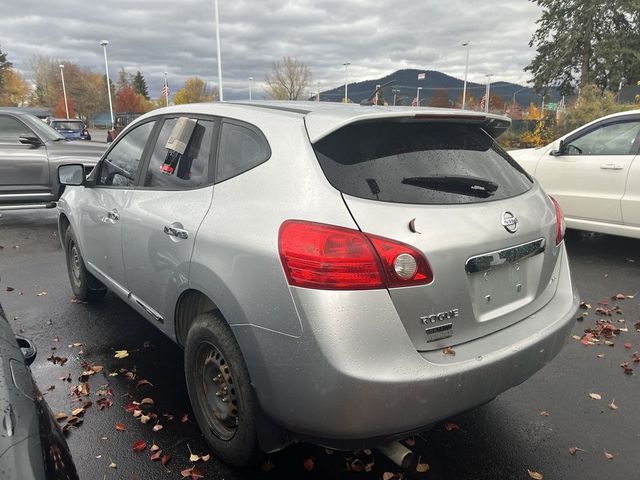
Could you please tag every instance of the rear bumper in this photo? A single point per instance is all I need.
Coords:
(354, 375)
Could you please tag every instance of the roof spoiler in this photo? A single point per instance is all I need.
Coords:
(494, 125)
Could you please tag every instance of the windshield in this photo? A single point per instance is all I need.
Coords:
(420, 163)
(44, 131)
(73, 126)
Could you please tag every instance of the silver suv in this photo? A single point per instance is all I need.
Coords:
(344, 275)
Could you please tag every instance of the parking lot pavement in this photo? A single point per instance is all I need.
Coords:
(532, 427)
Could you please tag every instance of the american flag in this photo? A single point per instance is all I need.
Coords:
(421, 76)
(165, 90)
(483, 101)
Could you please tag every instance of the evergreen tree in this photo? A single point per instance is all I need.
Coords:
(579, 42)
(140, 85)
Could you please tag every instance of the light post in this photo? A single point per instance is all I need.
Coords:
(104, 44)
(346, 66)
(395, 92)
(418, 97)
(466, 72)
(487, 95)
(318, 96)
(64, 91)
(250, 82)
(219, 55)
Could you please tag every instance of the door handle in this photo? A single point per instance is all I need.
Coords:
(611, 166)
(113, 215)
(176, 232)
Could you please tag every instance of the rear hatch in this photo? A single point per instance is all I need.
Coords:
(443, 186)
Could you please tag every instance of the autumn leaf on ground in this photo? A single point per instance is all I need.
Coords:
(422, 467)
(156, 456)
(535, 475)
(608, 455)
(449, 351)
(544, 414)
(41, 294)
(143, 382)
(619, 296)
(613, 405)
(450, 426)
(573, 450)
(157, 427)
(165, 459)
(112, 464)
(147, 402)
(139, 446)
(185, 418)
(60, 416)
(120, 427)
(585, 305)
(628, 345)
(121, 354)
(194, 472)
(595, 396)
(309, 464)
(154, 448)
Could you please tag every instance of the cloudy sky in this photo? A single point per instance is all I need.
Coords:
(376, 36)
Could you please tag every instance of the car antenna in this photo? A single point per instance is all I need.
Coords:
(369, 101)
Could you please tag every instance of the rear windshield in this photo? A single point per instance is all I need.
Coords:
(419, 163)
(74, 126)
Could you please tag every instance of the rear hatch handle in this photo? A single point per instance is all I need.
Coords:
(486, 261)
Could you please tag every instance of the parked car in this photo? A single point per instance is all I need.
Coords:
(71, 129)
(121, 121)
(594, 173)
(30, 152)
(338, 274)
(31, 443)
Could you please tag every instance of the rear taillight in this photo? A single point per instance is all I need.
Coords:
(560, 224)
(328, 257)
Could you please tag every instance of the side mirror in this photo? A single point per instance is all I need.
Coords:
(559, 151)
(72, 175)
(28, 349)
(30, 140)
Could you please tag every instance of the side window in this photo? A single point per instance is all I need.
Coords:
(120, 167)
(171, 170)
(11, 129)
(612, 139)
(241, 149)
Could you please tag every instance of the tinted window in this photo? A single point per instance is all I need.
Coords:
(241, 149)
(73, 126)
(11, 129)
(120, 167)
(188, 170)
(420, 163)
(613, 139)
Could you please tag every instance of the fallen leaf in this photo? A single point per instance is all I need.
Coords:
(573, 450)
(139, 446)
(619, 296)
(628, 345)
(154, 448)
(143, 382)
(450, 426)
(112, 464)
(544, 414)
(60, 416)
(535, 475)
(585, 305)
(9, 289)
(77, 412)
(613, 405)
(309, 464)
(121, 354)
(147, 402)
(205, 458)
(156, 456)
(422, 467)
(120, 427)
(41, 294)
(157, 427)
(267, 466)
(194, 458)
(185, 418)
(600, 355)
(410, 441)
(595, 396)
(165, 459)
(608, 455)
(144, 418)
(356, 465)
(390, 476)
(449, 351)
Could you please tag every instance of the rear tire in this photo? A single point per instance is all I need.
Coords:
(85, 286)
(222, 397)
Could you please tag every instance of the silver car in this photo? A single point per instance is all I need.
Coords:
(344, 275)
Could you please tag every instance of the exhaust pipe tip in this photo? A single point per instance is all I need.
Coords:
(397, 453)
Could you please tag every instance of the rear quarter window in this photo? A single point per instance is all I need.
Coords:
(419, 163)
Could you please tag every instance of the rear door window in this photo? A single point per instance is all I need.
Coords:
(242, 147)
(419, 163)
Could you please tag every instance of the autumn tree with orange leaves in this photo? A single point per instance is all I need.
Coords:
(59, 110)
(128, 100)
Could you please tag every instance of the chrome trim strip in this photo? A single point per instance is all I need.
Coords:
(44, 194)
(146, 307)
(486, 261)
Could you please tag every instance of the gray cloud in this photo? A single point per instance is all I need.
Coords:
(377, 37)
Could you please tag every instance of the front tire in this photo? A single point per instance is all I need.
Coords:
(85, 286)
(222, 398)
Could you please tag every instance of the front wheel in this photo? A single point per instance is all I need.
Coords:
(220, 390)
(84, 285)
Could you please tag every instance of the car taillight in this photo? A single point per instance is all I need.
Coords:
(329, 257)
(560, 224)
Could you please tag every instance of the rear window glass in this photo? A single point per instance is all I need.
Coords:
(419, 163)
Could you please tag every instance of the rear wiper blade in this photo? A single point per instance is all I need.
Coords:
(472, 186)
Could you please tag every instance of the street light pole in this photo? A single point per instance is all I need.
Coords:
(64, 91)
(466, 72)
(104, 44)
(219, 55)
(418, 97)
(395, 92)
(487, 100)
(250, 82)
(346, 78)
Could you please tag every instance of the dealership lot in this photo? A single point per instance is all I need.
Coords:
(532, 427)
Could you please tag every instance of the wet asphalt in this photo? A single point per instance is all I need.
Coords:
(501, 440)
